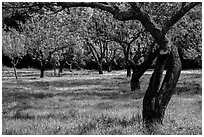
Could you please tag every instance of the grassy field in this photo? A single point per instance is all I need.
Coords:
(83, 102)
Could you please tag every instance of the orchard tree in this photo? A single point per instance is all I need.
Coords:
(13, 46)
(113, 52)
(158, 23)
(126, 33)
(38, 42)
(187, 35)
(95, 40)
(46, 35)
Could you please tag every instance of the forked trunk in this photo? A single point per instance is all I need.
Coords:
(140, 71)
(158, 96)
(70, 67)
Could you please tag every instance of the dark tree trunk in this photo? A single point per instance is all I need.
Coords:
(158, 96)
(61, 69)
(128, 67)
(110, 64)
(150, 95)
(110, 67)
(62, 63)
(100, 69)
(15, 72)
(136, 76)
(42, 69)
(136, 83)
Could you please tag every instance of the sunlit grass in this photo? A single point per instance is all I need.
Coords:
(86, 103)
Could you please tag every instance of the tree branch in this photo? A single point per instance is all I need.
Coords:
(99, 5)
(130, 14)
(93, 51)
(135, 37)
(184, 9)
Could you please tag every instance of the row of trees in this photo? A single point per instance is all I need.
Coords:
(143, 32)
(65, 38)
(52, 38)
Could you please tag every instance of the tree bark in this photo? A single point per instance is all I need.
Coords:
(110, 64)
(158, 96)
(15, 72)
(42, 69)
(134, 84)
(128, 67)
(110, 67)
(100, 68)
(137, 74)
(62, 63)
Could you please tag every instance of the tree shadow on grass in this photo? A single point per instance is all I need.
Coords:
(16, 95)
(189, 89)
(98, 89)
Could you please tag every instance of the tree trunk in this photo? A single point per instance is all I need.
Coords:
(15, 72)
(136, 76)
(128, 67)
(61, 69)
(134, 84)
(158, 96)
(14, 63)
(62, 63)
(110, 67)
(57, 72)
(110, 64)
(70, 67)
(42, 69)
(100, 68)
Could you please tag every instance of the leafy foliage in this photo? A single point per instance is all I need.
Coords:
(13, 45)
(77, 23)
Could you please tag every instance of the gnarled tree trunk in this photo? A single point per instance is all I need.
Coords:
(158, 96)
(140, 71)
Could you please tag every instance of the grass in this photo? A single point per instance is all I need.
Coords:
(85, 103)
